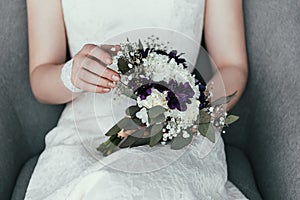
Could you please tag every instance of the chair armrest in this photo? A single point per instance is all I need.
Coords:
(13, 146)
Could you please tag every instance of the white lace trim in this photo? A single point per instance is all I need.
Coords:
(66, 74)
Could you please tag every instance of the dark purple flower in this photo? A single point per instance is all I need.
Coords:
(173, 54)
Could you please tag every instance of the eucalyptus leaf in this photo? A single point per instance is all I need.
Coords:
(132, 110)
(140, 142)
(203, 128)
(129, 93)
(115, 140)
(179, 142)
(211, 134)
(123, 123)
(113, 131)
(231, 119)
(139, 133)
(128, 123)
(128, 141)
(155, 129)
(160, 118)
(155, 139)
(204, 117)
(156, 111)
(138, 121)
(224, 100)
(207, 130)
(133, 124)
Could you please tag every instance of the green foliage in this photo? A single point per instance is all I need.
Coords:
(132, 110)
(179, 142)
(156, 111)
(207, 131)
(231, 119)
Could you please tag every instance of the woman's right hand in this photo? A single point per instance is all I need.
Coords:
(90, 72)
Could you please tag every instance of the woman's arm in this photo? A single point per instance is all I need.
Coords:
(225, 41)
(47, 52)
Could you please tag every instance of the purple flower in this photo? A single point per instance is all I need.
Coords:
(178, 94)
(173, 54)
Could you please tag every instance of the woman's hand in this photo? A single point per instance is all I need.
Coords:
(90, 72)
(47, 49)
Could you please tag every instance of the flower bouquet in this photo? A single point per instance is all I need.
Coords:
(172, 105)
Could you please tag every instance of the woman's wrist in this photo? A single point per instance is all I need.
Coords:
(66, 77)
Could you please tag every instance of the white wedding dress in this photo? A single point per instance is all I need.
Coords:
(71, 168)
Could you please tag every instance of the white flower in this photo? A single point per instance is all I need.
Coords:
(185, 134)
(143, 115)
(156, 98)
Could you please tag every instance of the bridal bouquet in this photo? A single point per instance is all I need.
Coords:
(171, 106)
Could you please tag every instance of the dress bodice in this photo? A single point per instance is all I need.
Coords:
(95, 21)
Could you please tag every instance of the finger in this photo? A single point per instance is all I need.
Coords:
(92, 78)
(94, 51)
(100, 70)
(101, 55)
(111, 49)
(87, 48)
(90, 87)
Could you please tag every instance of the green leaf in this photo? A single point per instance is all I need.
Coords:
(128, 141)
(156, 111)
(156, 138)
(123, 65)
(179, 142)
(204, 117)
(114, 139)
(123, 123)
(155, 129)
(132, 110)
(129, 93)
(126, 123)
(133, 138)
(138, 133)
(223, 100)
(140, 45)
(231, 119)
(160, 118)
(203, 128)
(113, 131)
(207, 130)
(140, 142)
(211, 134)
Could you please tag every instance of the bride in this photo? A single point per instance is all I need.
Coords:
(67, 169)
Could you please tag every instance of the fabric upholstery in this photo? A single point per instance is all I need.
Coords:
(36, 119)
(240, 172)
(24, 178)
(14, 146)
(273, 29)
(23, 121)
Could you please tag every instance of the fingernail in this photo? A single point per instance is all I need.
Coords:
(106, 89)
(115, 78)
(113, 49)
(111, 84)
(108, 60)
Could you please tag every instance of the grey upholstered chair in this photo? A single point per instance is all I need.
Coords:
(262, 148)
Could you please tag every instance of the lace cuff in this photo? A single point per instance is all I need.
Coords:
(66, 74)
